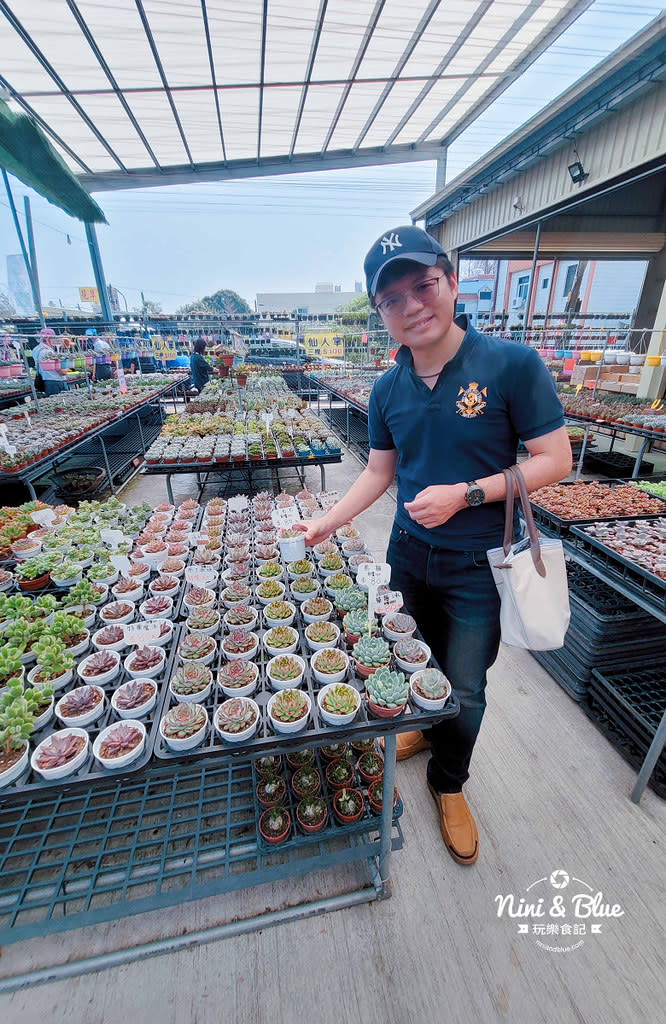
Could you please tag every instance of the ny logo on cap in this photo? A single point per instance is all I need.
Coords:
(390, 243)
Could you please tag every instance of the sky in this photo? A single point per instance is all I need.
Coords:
(287, 233)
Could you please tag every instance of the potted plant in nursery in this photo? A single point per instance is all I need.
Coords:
(333, 751)
(348, 805)
(338, 703)
(203, 620)
(191, 682)
(61, 753)
(356, 624)
(430, 689)
(271, 790)
(274, 824)
(370, 653)
(281, 640)
(270, 764)
(34, 573)
(145, 661)
(66, 574)
(311, 813)
(279, 613)
(376, 793)
(71, 631)
(81, 706)
(240, 643)
(241, 615)
(320, 635)
(238, 678)
(41, 701)
(339, 774)
(398, 626)
(387, 692)
(288, 710)
(16, 719)
(100, 668)
(54, 663)
(11, 666)
(120, 743)
(370, 766)
(316, 609)
(329, 665)
(285, 671)
(195, 647)
(237, 719)
(183, 727)
(110, 638)
(298, 758)
(306, 781)
(411, 654)
(135, 698)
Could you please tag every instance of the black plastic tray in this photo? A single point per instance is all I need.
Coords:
(645, 584)
(625, 745)
(638, 694)
(558, 526)
(616, 464)
(556, 667)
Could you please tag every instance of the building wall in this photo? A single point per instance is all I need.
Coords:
(306, 302)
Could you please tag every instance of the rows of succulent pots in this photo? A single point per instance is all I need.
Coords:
(265, 620)
(336, 786)
(69, 416)
(621, 409)
(641, 542)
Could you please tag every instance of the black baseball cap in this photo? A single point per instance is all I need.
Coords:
(406, 242)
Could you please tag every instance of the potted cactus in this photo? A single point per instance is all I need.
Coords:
(237, 719)
(430, 689)
(274, 824)
(271, 790)
(311, 813)
(348, 805)
(184, 726)
(370, 766)
(306, 781)
(370, 653)
(376, 793)
(288, 710)
(339, 774)
(270, 764)
(387, 692)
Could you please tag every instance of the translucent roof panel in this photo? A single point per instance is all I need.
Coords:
(152, 91)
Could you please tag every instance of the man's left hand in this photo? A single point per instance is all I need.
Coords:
(437, 504)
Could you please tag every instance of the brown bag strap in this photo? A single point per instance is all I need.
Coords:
(532, 532)
(508, 512)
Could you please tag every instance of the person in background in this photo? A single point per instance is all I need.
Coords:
(101, 348)
(45, 351)
(446, 420)
(200, 368)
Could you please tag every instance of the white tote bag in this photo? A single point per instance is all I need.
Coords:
(531, 579)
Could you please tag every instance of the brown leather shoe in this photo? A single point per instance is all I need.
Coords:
(457, 826)
(407, 744)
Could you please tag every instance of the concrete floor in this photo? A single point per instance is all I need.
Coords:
(548, 793)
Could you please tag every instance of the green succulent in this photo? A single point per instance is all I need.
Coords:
(66, 627)
(339, 581)
(33, 568)
(42, 607)
(16, 718)
(341, 700)
(235, 715)
(52, 660)
(432, 683)
(82, 593)
(356, 622)
(10, 663)
(372, 651)
(289, 706)
(350, 599)
(22, 634)
(285, 668)
(387, 689)
(16, 607)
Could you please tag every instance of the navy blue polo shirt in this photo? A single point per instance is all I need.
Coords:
(490, 395)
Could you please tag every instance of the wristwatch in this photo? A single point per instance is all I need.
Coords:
(475, 494)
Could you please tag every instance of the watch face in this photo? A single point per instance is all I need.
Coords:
(475, 495)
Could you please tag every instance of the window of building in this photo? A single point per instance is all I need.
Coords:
(545, 282)
(523, 285)
(485, 296)
(460, 307)
(570, 278)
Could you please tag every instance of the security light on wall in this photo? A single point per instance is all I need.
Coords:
(576, 170)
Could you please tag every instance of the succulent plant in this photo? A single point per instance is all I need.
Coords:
(190, 678)
(239, 641)
(236, 593)
(117, 610)
(339, 581)
(280, 637)
(350, 599)
(321, 632)
(121, 740)
(10, 663)
(83, 593)
(237, 673)
(340, 772)
(235, 715)
(110, 635)
(312, 810)
(341, 700)
(59, 749)
(202, 618)
(133, 694)
(317, 606)
(33, 568)
(146, 658)
(411, 651)
(348, 802)
(240, 615)
(331, 561)
(304, 585)
(278, 610)
(330, 660)
(80, 701)
(68, 628)
(356, 623)
(387, 689)
(99, 663)
(52, 660)
(289, 705)
(431, 684)
(285, 668)
(306, 780)
(270, 570)
(198, 597)
(164, 584)
(301, 567)
(270, 588)
(183, 721)
(400, 622)
(371, 651)
(16, 717)
(275, 821)
(194, 646)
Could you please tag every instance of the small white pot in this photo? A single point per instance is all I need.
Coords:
(124, 759)
(79, 648)
(249, 626)
(44, 718)
(241, 691)
(12, 773)
(189, 742)
(153, 558)
(206, 660)
(286, 684)
(262, 579)
(107, 581)
(64, 769)
(289, 727)
(391, 634)
(58, 683)
(82, 720)
(320, 645)
(105, 677)
(248, 655)
(329, 677)
(278, 597)
(292, 549)
(208, 630)
(141, 709)
(240, 737)
(281, 622)
(117, 646)
(89, 619)
(193, 698)
(149, 673)
(130, 595)
(171, 592)
(209, 603)
(277, 651)
(424, 702)
(409, 666)
(129, 617)
(157, 615)
(303, 597)
(330, 572)
(330, 717)
(317, 618)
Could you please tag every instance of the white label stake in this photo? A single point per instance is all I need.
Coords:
(141, 633)
(122, 563)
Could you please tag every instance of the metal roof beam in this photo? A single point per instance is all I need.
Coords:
(262, 75)
(308, 78)
(233, 169)
(367, 36)
(109, 74)
(409, 49)
(55, 77)
(160, 70)
(46, 128)
(213, 78)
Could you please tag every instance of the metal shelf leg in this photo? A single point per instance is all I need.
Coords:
(650, 761)
(387, 814)
(106, 463)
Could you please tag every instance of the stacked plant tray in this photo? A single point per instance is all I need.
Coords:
(555, 507)
(606, 630)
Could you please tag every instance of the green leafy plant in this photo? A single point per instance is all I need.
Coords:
(350, 599)
(183, 721)
(22, 634)
(331, 561)
(83, 593)
(317, 606)
(371, 651)
(33, 568)
(270, 570)
(16, 718)
(330, 660)
(190, 679)
(301, 567)
(341, 700)
(52, 658)
(355, 623)
(387, 689)
(68, 628)
(270, 588)
(306, 780)
(304, 585)
(280, 637)
(235, 715)
(431, 683)
(10, 663)
(278, 610)
(289, 705)
(311, 810)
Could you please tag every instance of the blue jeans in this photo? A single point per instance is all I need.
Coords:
(452, 596)
(54, 387)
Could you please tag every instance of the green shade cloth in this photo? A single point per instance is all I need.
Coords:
(27, 154)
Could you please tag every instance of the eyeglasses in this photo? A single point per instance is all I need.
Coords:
(426, 291)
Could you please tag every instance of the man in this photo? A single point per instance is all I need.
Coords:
(200, 368)
(446, 419)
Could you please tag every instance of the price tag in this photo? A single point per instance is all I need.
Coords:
(141, 633)
(388, 601)
(27, 419)
(43, 517)
(578, 388)
(267, 417)
(284, 518)
(122, 383)
(200, 577)
(374, 574)
(122, 563)
(112, 537)
(238, 503)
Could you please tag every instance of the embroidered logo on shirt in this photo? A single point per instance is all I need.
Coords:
(471, 401)
(391, 242)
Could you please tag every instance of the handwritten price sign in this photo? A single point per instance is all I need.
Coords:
(374, 574)
(141, 633)
(283, 518)
(200, 577)
(114, 538)
(388, 601)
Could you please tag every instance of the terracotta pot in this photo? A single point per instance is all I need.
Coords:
(274, 839)
(384, 712)
(347, 819)
(309, 829)
(36, 584)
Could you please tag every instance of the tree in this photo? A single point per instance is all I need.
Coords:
(148, 308)
(225, 301)
(6, 304)
(360, 305)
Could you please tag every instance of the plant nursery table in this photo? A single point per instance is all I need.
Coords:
(206, 470)
(648, 436)
(351, 421)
